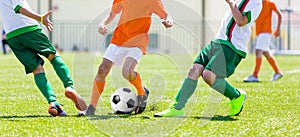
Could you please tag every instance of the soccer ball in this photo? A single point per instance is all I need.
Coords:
(123, 101)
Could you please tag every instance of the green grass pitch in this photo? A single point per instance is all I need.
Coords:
(271, 108)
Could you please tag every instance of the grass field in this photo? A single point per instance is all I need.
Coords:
(271, 109)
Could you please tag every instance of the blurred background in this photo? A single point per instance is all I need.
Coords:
(196, 23)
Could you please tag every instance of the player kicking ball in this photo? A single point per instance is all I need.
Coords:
(219, 59)
(129, 43)
(25, 38)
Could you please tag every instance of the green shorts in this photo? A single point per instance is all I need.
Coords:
(28, 46)
(218, 58)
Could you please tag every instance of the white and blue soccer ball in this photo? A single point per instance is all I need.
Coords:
(123, 101)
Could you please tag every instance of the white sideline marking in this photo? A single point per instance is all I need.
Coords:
(292, 71)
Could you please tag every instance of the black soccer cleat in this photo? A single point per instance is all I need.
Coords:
(142, 102)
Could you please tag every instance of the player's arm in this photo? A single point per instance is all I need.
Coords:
(116, 9)
(44, 19)
(102, 29)
(239, 18)
(277, 30)
(159, 10)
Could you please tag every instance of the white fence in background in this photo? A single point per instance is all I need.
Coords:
(184, 36)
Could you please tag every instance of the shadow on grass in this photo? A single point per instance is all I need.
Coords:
(116, 116)
(216, 118)
(259, 82)
(13, 118)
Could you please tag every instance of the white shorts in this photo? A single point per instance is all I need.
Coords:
(117, 54)
(263, 41)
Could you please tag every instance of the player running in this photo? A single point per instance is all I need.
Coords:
(219, 59)
(264, 40)
(26, 40)
(129, 43)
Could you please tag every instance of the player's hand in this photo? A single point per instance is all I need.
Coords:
(167, 23)
(276, 33)
(230, 1)
(46, 21)
(102, 29)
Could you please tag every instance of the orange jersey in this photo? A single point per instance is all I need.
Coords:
(264, 21)
(135, 21)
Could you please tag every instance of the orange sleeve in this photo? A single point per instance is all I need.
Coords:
(274, 6)
(117, 6)
(158, 9)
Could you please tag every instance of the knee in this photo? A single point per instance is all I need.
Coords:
(128, 74)
(38, 69)
(195, 72)
(267, 55)
(208, 77)
(51, 56)
(103, 71)
(258, 53)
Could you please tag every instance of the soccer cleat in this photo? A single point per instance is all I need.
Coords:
(56, 110)
(237, 104)
(251, 78)
(171, 112)
(82, 113)
(277, 76)
(76, 98)
(89, 112)
(142, 102)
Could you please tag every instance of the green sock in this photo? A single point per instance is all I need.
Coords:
(185, 92)
(223, 87)
(45, 87)
(62, 71)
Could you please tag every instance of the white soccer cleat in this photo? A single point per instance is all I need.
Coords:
(251, 78)
(276, 76)
(88, 112)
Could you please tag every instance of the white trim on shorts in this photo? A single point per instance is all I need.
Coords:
(264, 41)
(117, 54)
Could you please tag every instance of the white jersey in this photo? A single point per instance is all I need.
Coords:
(239, 36)
(12, 20)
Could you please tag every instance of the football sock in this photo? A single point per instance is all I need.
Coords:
(258, 62)
(137, 83)
(223, 87)
(185, 92)
(45, 87)
(62, 71)
(98, 88)
(273, 64)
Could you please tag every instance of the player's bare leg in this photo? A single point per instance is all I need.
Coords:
(98, 87)
(135, 79)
